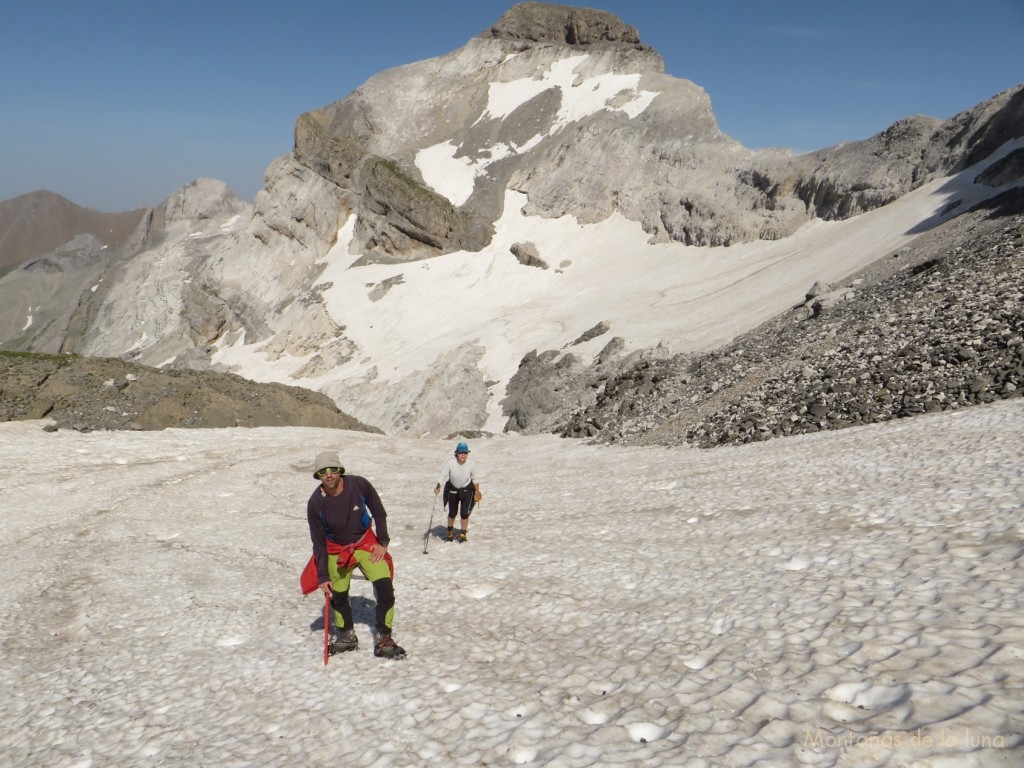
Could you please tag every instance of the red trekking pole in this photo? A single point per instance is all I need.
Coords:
(327, 627)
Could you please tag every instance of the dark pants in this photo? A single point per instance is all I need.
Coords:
(459, 500)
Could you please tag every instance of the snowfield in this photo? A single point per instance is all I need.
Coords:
(848, 598)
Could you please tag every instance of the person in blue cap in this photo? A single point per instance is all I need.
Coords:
(461, 489)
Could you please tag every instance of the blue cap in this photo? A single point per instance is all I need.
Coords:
(462, 448)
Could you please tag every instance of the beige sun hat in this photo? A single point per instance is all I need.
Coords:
(326, 459)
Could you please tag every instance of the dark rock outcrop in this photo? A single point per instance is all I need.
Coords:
(547, 23)
(87, 394)
(528, 255)
(398, 217)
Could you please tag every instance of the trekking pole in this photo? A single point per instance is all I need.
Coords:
(426, 536)
(327, 627)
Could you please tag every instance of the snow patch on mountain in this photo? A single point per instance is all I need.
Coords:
(579, 97)
(453, 175)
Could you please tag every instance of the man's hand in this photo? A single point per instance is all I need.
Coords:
(437, 489)
(378, 552)
(326, 588)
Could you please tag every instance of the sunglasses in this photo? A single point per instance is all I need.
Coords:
(328, 471)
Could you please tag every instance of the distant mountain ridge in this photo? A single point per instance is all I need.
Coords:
(544, 198)
(37, 223)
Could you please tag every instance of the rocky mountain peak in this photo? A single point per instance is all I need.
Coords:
(202, 204)
(202, 199)
(547, 23)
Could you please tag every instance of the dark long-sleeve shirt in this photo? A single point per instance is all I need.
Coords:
(344, 518)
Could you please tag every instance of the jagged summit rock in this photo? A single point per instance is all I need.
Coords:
(197, 206)
(202, 200)
(548, 23)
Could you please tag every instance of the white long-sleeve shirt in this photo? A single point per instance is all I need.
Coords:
(459, 475)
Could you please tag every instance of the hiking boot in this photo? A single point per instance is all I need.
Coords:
(345, 640)
(386, 648)
(462, 536)
(450, 535)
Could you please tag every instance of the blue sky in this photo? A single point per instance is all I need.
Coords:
(116, 104)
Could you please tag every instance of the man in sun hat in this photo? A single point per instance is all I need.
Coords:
(461, 489)
(340, 513)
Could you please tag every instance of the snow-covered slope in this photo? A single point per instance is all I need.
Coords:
(843, 599)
